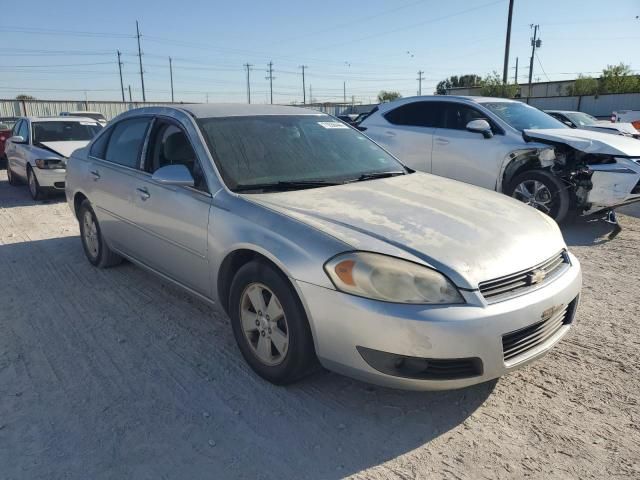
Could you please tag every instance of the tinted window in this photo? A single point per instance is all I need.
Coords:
(288, 148)
(169, 145)
(125, 143)
(16, 128)
(23, 130)
(458, 115)
(100, 145)
(417, 114)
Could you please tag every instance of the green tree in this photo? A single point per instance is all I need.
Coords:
(619, 79)
(468, 80)
(388, 96)
(492, 86)
(584, 85)
(25, 97)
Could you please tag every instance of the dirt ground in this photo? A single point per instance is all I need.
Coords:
(115, 374)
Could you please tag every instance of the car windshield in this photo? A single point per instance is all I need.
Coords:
(64, 131)
(522, 116)
(581, 119)
(284, 149)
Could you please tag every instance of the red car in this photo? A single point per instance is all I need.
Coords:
(6, 126)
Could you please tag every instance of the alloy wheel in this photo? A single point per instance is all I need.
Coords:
(33, 187)
(536, 194)
(90, 234)
(264, 324)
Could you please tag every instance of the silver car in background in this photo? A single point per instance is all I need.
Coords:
(323, 247)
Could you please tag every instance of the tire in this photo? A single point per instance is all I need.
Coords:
(284, 366)
(34, 187)
(11, 177)
(97, 251)
(545, 191)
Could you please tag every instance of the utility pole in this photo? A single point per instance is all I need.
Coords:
(310, 94)
(171, 76)
(420, 79)
(507, 44)
(515, 77)
(304, 88)
(207, 97)
(120, 70)
(270, 78)
(248, 67)
(535, 43)
(344, 92)
(130, 97)
(144, 97)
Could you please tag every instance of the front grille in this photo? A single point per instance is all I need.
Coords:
(421, 368)
(510, 285)
(516, 345)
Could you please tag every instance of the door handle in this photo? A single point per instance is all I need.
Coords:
(442, 141)
(144, 193)
(95, 175)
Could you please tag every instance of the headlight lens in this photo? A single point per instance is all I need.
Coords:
(50, 163)
(390, 279)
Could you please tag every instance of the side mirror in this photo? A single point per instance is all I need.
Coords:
(17, 139)
(480, 126)
(177, 175)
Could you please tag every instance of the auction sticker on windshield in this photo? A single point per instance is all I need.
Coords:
(332, 125)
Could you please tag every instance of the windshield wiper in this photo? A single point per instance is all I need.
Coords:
(375, 175)
(285, 185)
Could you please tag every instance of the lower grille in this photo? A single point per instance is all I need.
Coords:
(421, 368)
(516, 344)
(505, 287)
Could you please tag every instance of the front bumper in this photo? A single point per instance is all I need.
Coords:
(614, 185)
(343, 324)
(51, 178)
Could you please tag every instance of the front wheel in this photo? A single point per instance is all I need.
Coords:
(270, 325)
(34, 187)
(541, 190)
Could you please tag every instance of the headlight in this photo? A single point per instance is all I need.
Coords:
(390, 279)
(50, 163)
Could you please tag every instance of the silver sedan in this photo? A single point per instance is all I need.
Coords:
(323, 248)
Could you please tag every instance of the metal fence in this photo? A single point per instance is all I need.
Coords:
(596, 105)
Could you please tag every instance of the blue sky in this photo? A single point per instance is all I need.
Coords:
(65, 50)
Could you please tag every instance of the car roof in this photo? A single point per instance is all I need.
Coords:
(208, 110)
(83, 111)
(455, 98)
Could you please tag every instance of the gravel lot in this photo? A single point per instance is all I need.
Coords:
(115, 374)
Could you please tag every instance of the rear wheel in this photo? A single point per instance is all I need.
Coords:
(34, 187)
(270, 325)
(543, 191)
(95, 248)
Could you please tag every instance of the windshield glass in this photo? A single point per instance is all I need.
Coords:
(522, 116)
(292, 148)
(64, 131)
(581, 119)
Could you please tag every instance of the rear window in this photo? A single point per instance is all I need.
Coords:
(64, 131)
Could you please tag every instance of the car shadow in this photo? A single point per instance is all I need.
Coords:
(18, 196)
(587, 231)
(126, 362)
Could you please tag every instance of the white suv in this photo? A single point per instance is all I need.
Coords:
(510, 147)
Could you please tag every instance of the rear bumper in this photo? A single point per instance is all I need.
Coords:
(345, 326)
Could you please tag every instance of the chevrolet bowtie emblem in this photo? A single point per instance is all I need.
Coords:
(536, 276)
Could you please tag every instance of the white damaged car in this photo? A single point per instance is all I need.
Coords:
(38, 149)
(511, 147)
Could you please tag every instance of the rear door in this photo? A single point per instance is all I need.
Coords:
(114, 173)
(173, 219)
(464, 155)
(407, 132)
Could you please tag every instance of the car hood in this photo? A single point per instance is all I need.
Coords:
(468, 233)
(620, 126)
(587, 141)
(65, 149)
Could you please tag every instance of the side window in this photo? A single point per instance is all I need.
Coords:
(457, 115)
(416, 114)
(24, 130)
(169, 145)
(126, 140)
(99, 147)
(16, 128)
